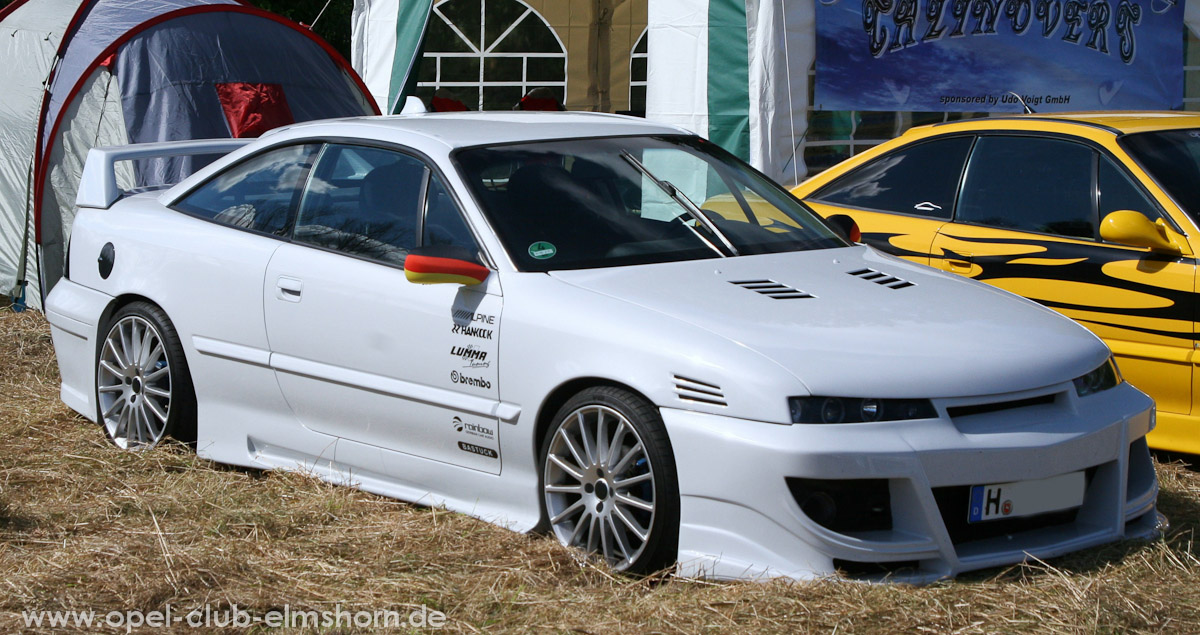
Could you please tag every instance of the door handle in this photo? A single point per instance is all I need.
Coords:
(289, 289)
(958, 263)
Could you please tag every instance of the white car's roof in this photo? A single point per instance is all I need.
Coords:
(460, 129)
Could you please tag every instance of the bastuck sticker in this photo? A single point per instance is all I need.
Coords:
(542, 250)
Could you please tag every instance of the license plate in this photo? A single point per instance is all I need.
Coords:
(1026, 498)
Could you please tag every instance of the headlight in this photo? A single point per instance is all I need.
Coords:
(856, 410)
(1104, 377)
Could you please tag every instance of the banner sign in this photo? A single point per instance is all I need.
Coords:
(968, 55)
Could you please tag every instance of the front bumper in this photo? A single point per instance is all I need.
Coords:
(740, 519)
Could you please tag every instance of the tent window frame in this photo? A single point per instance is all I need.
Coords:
(639, 79)
(487, 51)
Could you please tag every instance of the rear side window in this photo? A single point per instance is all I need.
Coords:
(920, 180)
(259, 194)
(363, 201)
(1030, 184)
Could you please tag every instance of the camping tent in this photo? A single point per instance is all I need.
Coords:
(80, 74)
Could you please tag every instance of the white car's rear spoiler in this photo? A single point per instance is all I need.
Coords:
(98, 187)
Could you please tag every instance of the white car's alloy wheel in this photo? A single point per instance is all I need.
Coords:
(138, 377)
(604, 486)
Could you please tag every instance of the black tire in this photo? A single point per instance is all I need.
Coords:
(597, 508)
(143, 386)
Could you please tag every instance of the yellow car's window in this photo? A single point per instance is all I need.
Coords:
(1118, 192)
(1172, 157)
(1030, 184)
(920, 180)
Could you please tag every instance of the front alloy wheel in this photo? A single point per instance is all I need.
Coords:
(609, 483)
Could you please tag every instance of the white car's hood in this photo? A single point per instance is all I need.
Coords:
(939, 336)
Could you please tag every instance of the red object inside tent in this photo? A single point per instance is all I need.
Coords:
(252, 109)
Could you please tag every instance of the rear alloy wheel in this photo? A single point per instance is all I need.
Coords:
(609, 482)
(143, 389)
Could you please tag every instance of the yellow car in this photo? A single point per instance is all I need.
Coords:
(1095, 215)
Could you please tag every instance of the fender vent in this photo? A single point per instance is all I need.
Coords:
(698, 392)
(771, 289)
(878, 277)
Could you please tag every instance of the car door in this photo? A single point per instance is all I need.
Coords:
(900, 199)
(1027, 221)
(248, 208)
(361, 353)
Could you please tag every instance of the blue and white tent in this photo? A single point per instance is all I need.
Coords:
(80, 74)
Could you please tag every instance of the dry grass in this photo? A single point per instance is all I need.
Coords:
(84, 526)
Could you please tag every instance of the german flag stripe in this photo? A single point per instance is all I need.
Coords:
(434, 270)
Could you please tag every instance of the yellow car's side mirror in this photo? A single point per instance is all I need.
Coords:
(1132, 228)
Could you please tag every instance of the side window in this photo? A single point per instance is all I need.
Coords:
(1030, 184)
(259, 194)
(1117, 192)
(444, 223)
(921, 180)
(363, 201)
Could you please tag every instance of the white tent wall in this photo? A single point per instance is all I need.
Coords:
(29, 37)
(373, 45)
(94, 119)
(677, 64)
(780, 44)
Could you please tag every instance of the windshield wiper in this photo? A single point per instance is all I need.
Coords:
(686, 203)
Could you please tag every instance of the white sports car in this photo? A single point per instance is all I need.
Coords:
(602, 328)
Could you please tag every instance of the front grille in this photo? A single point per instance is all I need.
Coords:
(771, 289)
(983, 408)
(880, 278)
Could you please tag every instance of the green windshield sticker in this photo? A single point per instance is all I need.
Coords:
(542, 250)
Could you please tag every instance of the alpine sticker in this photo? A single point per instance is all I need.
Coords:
(461, 315)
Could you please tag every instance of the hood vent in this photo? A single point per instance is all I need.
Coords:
(694, 391)
(878, 277)
(772, 289)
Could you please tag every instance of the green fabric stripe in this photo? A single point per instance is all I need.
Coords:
(729, 76)
(411, 19)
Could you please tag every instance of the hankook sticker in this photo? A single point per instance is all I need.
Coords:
(471, 331)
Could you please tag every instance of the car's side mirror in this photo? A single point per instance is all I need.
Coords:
(846, 226)
(439, 264)
(1132, 228)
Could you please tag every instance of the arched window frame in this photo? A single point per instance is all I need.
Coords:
(436, 57)
(639, 71)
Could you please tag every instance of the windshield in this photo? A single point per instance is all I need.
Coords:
(1172, 157)
(585, 203)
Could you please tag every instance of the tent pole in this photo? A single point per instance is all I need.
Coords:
(18, 291)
